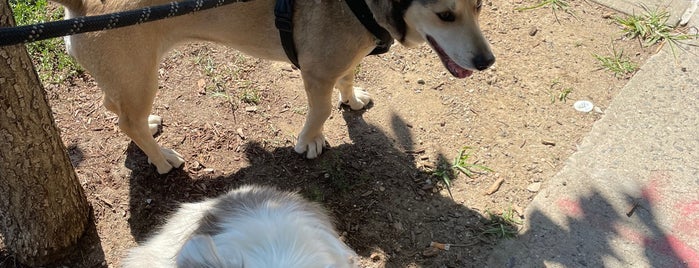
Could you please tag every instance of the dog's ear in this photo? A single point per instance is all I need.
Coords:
(201, 251)
(389, 14)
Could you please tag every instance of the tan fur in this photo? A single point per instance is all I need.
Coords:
(124, 61)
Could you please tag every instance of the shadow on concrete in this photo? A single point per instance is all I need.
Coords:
(594, 234)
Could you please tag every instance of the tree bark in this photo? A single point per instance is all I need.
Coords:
(43, 210)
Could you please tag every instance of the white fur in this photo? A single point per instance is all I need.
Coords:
(281, 231)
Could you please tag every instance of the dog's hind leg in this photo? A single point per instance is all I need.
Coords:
(319, 91)
(356, 97)
(132, 100)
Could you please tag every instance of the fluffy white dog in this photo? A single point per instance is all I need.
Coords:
(249, 227)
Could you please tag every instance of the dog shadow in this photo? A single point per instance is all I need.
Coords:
(371, 187)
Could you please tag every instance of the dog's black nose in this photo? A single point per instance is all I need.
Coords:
(482, 62)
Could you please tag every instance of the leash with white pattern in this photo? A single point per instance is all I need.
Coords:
(41, 31)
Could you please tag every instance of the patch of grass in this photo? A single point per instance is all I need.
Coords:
(651, 28)
(207, 64)
(560, 94)
(502, 226)
(221, 94)
(554, 5)
(226, 76)
(446, 173)
(51, 61)
(617, 63)
(250, 95)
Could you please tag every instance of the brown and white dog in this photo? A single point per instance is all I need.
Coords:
(248, 227)
(330, 42)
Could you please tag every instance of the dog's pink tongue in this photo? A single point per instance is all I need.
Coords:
(457, 71)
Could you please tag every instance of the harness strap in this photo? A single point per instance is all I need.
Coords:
(363, 13)
(283, 20)
(283, 14)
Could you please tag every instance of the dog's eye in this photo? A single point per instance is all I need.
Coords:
(447, 16)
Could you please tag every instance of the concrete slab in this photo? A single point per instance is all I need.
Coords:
(630, 196)
(675, 7)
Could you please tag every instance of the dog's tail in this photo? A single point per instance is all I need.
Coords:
(72, 5)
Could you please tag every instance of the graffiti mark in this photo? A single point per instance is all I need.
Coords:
(570, 208)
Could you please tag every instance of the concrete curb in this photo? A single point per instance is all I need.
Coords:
(675, 7)
(628, 197)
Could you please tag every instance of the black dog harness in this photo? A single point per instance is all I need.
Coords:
(283, 13)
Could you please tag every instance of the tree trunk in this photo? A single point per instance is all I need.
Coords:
(43, 210)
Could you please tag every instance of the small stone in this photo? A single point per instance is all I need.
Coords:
(607, 15)
(240, 133)
(533, 30)
(398, 226)
(251, 109)
(534, 187)
(421, 81)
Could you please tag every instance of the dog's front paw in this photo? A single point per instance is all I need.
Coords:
(357, 100)
(172, 160)
(312, 146)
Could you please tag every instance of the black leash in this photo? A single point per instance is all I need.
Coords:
(41, 31)
(284, 11)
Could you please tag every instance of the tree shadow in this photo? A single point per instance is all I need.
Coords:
(595, 234)
(373, 190)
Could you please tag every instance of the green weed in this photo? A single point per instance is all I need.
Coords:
(620, 65)
(651, 28)
(502, 226)
(460, 164)
(561, 94)
(250, 96)
(51, 61)
(554, 5)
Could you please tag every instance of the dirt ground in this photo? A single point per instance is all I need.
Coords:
(377, 177)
